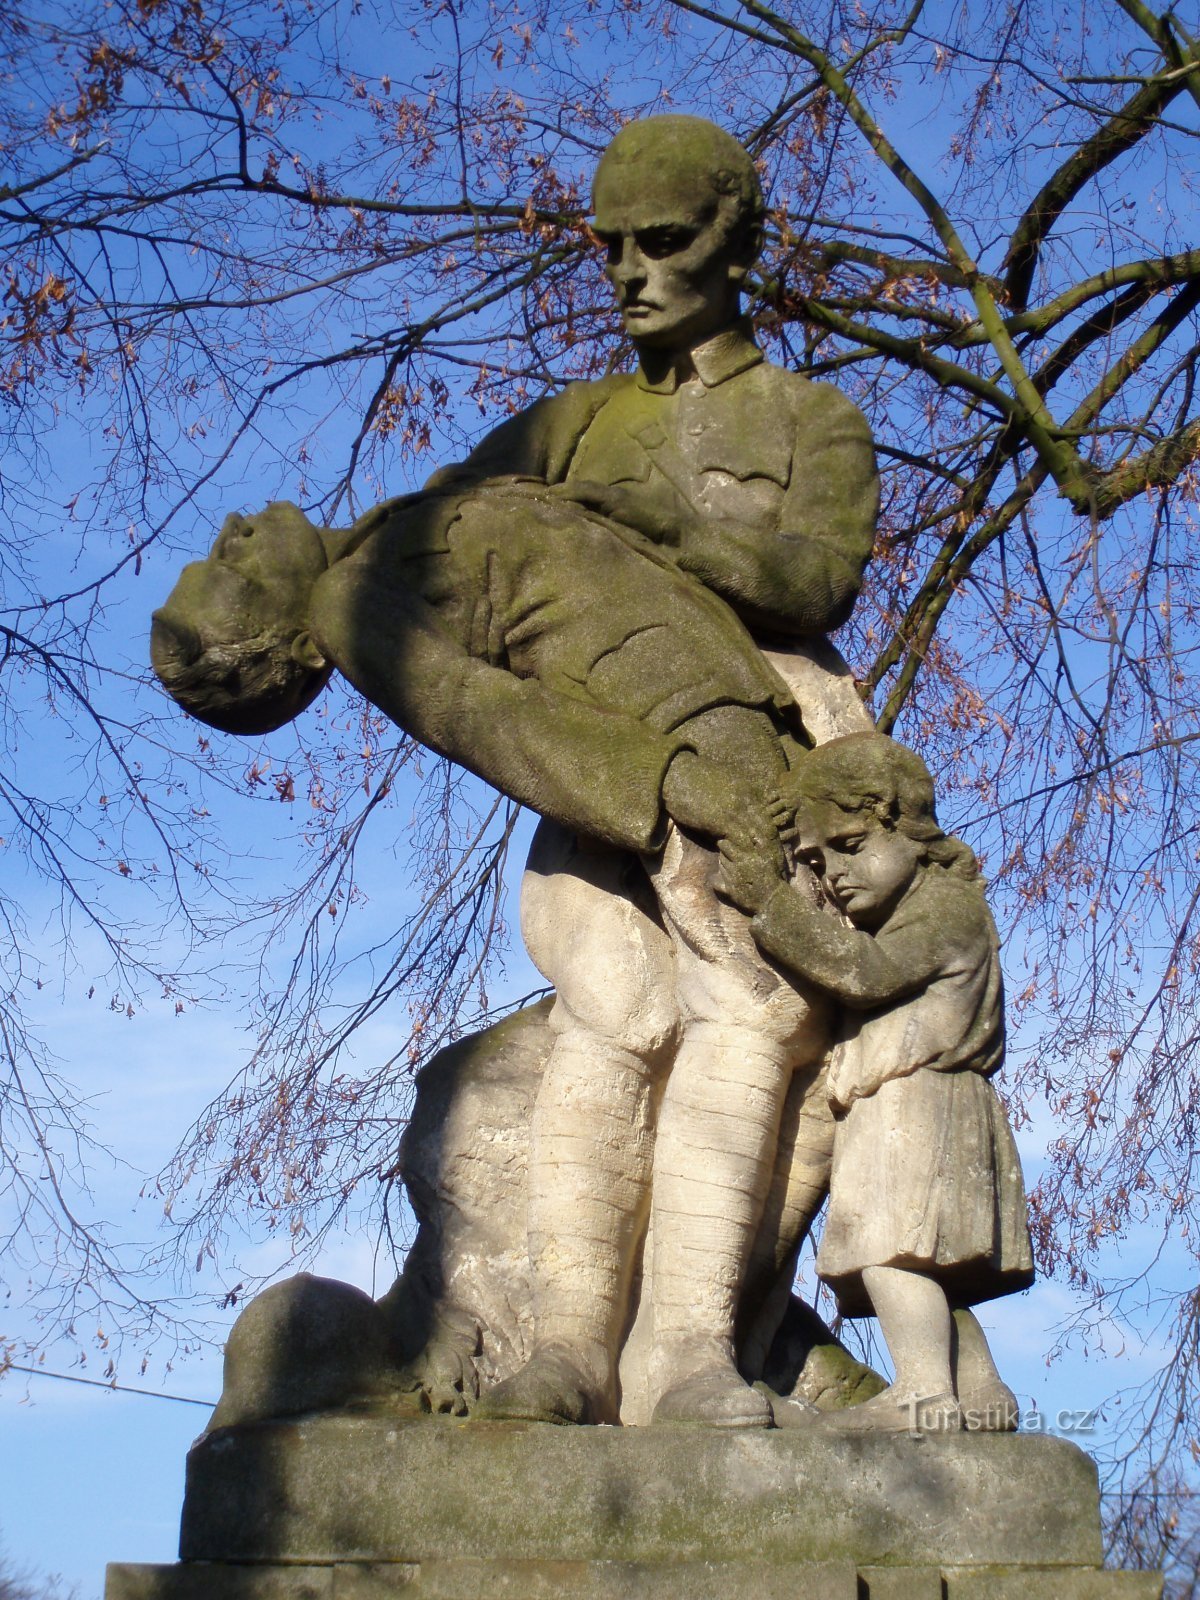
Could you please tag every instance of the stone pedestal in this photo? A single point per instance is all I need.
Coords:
(366, 1507)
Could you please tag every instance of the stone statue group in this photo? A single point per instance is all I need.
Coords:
(775, 978)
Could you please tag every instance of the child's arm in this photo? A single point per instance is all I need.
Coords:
(862, 970)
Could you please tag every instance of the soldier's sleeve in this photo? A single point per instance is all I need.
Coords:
(537, 443)
(831, 503)
(594, 771)
(801, 571)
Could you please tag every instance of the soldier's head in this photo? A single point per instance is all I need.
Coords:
(679, 210)
(232, 645)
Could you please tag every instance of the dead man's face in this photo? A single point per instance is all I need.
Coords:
(259, 573)
(674, 263)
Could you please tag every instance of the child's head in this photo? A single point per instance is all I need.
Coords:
(231, 645)
(865, 817)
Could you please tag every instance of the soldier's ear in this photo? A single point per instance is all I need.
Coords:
(747, 249)
(304, 650)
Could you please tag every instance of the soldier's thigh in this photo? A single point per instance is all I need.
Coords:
(591, 929)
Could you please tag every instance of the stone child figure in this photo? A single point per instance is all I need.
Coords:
(927, 1207)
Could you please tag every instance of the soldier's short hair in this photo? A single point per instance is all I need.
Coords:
(691, 145)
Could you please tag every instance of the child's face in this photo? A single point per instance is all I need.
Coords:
(866, 867)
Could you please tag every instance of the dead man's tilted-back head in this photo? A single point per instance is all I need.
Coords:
(231, 644)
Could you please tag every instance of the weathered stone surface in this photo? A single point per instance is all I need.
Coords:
(900, 1583)
(474, 1579)
(203, 1580)
(628, 1580)
(461, 1307)
(306, 1344)
(461, 1311)
(1051, 1583)
(480, 1580)
(437, 1489)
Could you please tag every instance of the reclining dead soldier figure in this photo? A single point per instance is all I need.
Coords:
(458, 616)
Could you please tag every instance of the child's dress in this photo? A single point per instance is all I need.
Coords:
(926, 1174)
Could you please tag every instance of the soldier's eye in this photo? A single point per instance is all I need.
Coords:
(659, 242)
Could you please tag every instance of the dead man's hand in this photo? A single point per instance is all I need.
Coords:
(711, 800)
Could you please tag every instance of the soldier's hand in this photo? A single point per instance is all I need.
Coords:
(748, 874)
(660, 518)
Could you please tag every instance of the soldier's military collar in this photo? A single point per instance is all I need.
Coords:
(723, 356)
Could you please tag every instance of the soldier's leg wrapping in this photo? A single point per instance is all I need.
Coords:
(590, 926)
(746, 1030)
(797, 1190)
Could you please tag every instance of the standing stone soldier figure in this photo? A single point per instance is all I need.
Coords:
(762, 484)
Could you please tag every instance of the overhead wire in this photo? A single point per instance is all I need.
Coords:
(103, 1383)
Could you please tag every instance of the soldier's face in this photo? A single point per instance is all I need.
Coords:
(671, 260)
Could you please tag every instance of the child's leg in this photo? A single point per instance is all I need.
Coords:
(988, 1404)
(914, 1317)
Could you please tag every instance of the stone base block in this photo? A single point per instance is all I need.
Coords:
(374, 1507)
(366, 1488)
(901, 1583)
(481, 1580)
(1016, 1583)
(620, 1580)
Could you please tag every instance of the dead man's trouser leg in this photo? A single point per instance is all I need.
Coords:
(589, 924)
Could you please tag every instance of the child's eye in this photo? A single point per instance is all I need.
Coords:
(850, 846)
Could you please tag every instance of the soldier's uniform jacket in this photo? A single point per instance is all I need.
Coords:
(559, 656)
(770, 477)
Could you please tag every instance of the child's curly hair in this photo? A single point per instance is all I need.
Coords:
(868, 772)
